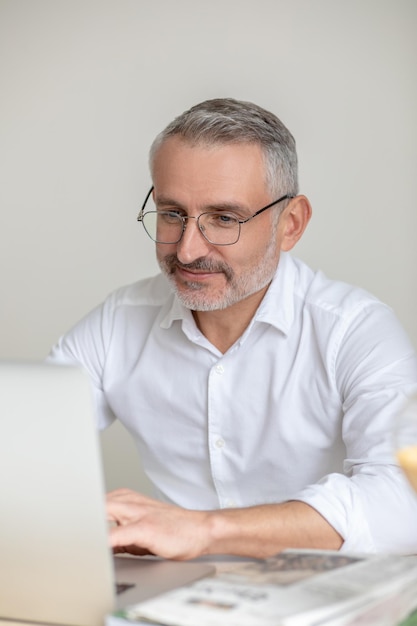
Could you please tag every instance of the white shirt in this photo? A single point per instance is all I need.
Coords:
(300, 407)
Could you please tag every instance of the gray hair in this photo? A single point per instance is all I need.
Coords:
(225, 120)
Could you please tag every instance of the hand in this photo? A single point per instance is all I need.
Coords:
(147, 526)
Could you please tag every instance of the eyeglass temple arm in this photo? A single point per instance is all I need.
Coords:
(268, 206)
(140, 216)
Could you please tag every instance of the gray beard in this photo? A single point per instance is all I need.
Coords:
(193, 295)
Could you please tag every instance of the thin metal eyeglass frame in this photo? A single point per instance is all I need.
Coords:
(185, 218)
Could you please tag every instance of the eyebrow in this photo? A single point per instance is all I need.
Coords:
(165, 201)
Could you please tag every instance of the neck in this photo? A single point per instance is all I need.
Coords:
(224, 327)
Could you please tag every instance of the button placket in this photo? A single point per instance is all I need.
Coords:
(218, 444)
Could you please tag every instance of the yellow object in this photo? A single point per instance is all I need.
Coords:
(407, 458)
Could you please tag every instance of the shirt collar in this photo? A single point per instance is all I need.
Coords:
(173, 311)
(276, 308)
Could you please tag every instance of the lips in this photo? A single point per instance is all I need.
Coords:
(194, 273)
(197, 270)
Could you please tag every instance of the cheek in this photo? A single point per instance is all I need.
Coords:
(262, 255)
(253, 247)
(163, 250)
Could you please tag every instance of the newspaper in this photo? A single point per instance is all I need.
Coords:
(293, 588)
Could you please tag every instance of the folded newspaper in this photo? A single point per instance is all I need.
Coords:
(293, 588)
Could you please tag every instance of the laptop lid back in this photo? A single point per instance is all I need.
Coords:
(55, 562)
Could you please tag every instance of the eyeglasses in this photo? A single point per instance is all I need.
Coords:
(217, 227)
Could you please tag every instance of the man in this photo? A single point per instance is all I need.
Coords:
(260, 394)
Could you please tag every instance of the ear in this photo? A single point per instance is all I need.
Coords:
(294, 220)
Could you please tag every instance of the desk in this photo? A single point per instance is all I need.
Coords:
(224, 564)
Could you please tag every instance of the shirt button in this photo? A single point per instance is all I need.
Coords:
(220, 443)
(229, 504)
(219, 369)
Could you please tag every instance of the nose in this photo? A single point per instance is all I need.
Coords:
(193, 244)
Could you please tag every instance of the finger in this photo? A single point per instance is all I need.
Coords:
(122, 494)
(132, 550)
(124, 512)
(129, 496)
(127, 538)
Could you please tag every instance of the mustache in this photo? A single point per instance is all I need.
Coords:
(171, 262)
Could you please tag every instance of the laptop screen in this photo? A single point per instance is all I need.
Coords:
(55, 562)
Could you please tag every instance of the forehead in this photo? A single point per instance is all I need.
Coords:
(202, 168)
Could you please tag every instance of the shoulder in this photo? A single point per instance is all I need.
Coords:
(301, 298)
(333, 297)
(352, 321)
(148, 292)
(133, 307)
(341, 311)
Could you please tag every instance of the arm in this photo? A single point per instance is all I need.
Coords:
(146, 526)
(370, 504)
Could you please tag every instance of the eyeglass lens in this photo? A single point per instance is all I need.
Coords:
(218, 228)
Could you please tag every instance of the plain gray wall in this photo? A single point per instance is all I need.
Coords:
(84, 87)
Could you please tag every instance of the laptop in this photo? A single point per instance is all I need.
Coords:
(55, 563)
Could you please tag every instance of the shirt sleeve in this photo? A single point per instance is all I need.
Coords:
(371, 505)
(85, 346)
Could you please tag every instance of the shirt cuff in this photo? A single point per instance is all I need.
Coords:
(339, 501)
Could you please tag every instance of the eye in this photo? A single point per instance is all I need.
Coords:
(226, 218)
(170, 217)
(221, 220)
